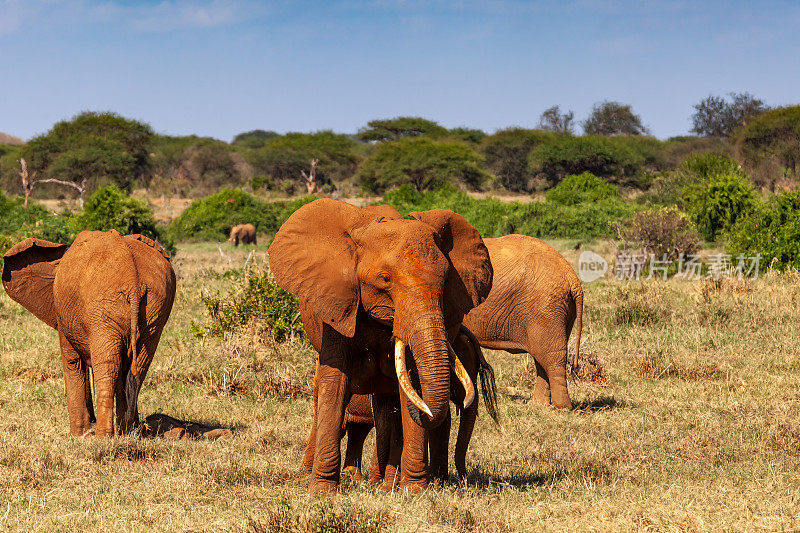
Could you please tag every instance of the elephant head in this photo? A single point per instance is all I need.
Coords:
(29, 269)
(419, 276)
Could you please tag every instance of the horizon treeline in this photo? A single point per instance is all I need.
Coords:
(93, 149)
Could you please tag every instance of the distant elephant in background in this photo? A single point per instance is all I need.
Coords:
(108, 296)
(243, 232)
(536, 298)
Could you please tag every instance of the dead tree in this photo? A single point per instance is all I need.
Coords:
(311, 177)
(29, 181)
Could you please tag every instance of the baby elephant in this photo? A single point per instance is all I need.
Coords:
(243, 232)
(108, 296)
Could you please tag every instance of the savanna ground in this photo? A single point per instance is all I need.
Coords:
(687, 418)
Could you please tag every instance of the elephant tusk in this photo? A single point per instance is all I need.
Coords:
(463, 377)
(403, 379)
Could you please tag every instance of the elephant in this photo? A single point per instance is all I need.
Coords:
(535, 300)
(243, 232)
(368, 279)
(109, 297)
(359, 421)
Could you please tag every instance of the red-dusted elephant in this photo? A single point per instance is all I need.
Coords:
(372, 284)
(108, 296)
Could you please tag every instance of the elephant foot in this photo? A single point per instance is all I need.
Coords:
(353, 472)
(390, 479)
(322, 488)
(415, 487)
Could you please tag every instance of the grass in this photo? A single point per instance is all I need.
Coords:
(687, 418)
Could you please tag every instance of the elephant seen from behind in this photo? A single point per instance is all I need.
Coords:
(109, 297)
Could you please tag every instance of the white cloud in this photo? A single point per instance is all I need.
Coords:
(178, 15)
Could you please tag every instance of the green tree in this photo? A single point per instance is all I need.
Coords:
(392, 129)
(604, 157)
(613, 118)
(93, 149)
(254, 138)
(422, 163)
(287, 156)
(715, 117)
(769, 145)
(506, 154)
(470, 135)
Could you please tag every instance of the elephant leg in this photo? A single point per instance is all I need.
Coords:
(127, 409)
(308, 456)
(388, 440)
(106, 354)
(75, 384)
(414, 474)
(466, 351)
(333, 397)
(541, 390)
(356, 435)
(439, 441)
(556, 368)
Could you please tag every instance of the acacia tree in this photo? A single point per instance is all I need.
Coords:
(716, 117)
(393, 128)
(553, 120)
(89, 150)
(613, 118)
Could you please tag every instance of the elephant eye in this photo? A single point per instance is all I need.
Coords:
(384, 278)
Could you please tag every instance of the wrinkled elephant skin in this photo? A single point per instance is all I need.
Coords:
(365, 277)
(108, 296)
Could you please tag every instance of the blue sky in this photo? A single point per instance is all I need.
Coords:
(218, 68)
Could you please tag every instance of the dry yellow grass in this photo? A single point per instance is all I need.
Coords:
(694, 426)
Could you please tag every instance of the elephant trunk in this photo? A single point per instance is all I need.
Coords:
(430, 351)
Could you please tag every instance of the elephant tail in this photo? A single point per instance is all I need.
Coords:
(577, 295)
(486, 374)
(132, 380)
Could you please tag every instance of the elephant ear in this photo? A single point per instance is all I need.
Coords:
(469, 281)
(29, 269)
(313, 256)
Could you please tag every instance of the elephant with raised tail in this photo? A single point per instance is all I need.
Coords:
(371, 285)
(108, 296)
(535, 300)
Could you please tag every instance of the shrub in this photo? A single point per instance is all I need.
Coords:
(422, 163)
(772, 230)
(494, 218)
(695, 170)
(581, 188)
(17, 223)
(110, 208)
(256, 301)
(212, 218)
(660, 231)
(719, 202)
(254, 138)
